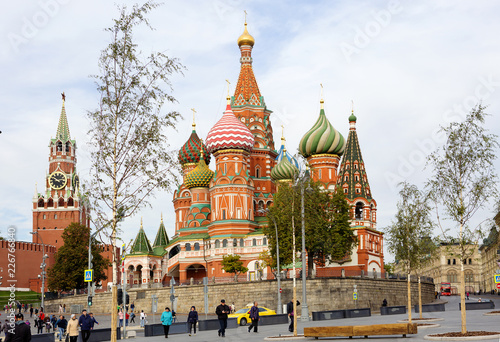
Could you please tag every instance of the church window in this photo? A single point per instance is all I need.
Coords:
(319, 173)
(264, 241)
(238, 213)
(470, 261)
(43, 228)
(67, 147)
(225, 168)
(217, 244)
(257, 172)
(55, 216)
(356, 178)
(235, 243)
(242, 243)
(40, 203)
(55, 227)
(452, 277)
(223, 214)
(188, 247)
(242, 120)
(59, 146)
(254, 242)
(454, 261)
(196, 246)
(345, 190)
(356, 166)
(358, 191)
(347, 166)
(197, 197)
(224, 243)
(44, 216)
(346, 178)
(359, 210)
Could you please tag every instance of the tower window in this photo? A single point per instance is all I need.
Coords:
(254, 242)
(67, 147)
(257, 172)
(188, 247)
(242, 243)
(217, 244)
(196, 246)
(235, 243)
(55, 216)
(44, 216)
(264, 241)
(59, 146)
(359, 210)
(223, 214)
(224, 243)
(345, 191)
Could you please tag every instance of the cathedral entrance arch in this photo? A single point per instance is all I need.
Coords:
(197, 272)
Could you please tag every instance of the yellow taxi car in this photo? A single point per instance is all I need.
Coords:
(243, 315)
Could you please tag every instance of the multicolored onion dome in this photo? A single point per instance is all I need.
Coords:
(200, 177)
(246, 38)
(284, 170)
(352, 117)
(229, 133)
(322, 138)
(190, 151)
(283, 153)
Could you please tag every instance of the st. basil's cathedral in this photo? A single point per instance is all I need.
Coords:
(222, 212)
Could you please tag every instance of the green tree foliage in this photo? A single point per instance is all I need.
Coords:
(409, 235)
(71, 260)
(328, 235)
(464, 180)
(232, 264)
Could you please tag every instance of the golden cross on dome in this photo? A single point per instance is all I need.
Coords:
(194, 112)
(282, 133)
(228, 83)
(245, 16)
(352, 106)
(322, 102)
(63, 96)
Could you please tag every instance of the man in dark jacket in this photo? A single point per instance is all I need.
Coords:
(289, 311)
(21, 333)
(85, 323)
(222, 311)
(254, 316)
(61, 325)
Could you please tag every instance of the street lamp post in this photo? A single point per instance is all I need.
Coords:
(280, 307)
(305, 309)
(42, 266)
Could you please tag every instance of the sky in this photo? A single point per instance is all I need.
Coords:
(408, 67)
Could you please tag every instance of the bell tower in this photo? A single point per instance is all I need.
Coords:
(60, 203)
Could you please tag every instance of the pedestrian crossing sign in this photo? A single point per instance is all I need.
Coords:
(497, 278)
(89, 275)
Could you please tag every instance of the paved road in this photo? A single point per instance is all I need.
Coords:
(475, 321)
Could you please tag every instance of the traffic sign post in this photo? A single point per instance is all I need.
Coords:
(89, 275)
(498, 286)
(497, 278)
(355, 296)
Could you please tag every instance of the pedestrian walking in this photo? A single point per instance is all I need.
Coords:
(64, 308)
(143, 318)
(127, 316)
(5, 327)
(233, 308)
(166, 320)
(289, 311)
(92, 321)
(192, 320)
(72, 329)
(40, 325)
(85, 323)
(22, 331)
(31, 311)
(60, 308)
(120, 318)
(132, 317)
(222, 311)
(254, 316)
(132, 307)
(467, 295)
(61, 325)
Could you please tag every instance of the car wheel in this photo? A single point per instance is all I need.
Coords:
(243, 322)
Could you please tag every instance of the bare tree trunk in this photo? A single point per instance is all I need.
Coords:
(419, 296)
(462, 297)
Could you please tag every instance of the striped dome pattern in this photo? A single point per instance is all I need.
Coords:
(284, 171)
(229, 133)
(190, 151)
(199, 177)
(283, 153)
(322, 138)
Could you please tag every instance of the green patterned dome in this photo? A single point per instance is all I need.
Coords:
(190, 151)
(284, 171)
(322, 138)
(352, 117)
(200, 177)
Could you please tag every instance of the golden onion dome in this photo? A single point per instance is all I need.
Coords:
(246, 38)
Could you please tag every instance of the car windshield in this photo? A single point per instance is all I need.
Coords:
(242, 311)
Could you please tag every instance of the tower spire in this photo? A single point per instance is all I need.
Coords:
(63, 127)
(322, 101)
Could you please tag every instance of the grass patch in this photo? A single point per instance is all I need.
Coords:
(21, 296)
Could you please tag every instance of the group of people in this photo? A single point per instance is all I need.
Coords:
(69, 330)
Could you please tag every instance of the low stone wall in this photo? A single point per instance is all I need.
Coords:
(322, 294)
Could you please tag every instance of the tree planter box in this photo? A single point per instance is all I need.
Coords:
(430, 307)
(273, 319)
(477, 305)
(393, 310)
(353, 313)
(325, 315)
(157, 329)
(213, 324)
(98, 335)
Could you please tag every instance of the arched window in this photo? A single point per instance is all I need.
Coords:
(224, 243)
(469, 276)
(67, 147)
(264, 241)
(359, 210)
(55, 216)
(242, 243)
(59, 146)
(223, 214)
(188, 247)
(217, 244)
(452, 277)
(196, 246)
(257, 172)
(254, 242)
(40, 203)
(44, 216)
(235, 243)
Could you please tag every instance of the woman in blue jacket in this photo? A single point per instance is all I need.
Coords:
(166, 320)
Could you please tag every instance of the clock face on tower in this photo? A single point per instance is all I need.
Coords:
(57, 180)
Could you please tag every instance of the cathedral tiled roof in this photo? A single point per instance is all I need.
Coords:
(199, 177)
(141, 243)
(229, 133)
(190, 151)
(284, 171)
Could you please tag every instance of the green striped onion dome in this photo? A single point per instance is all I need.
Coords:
(200, 177)
(190, 151)
(322, 138)
(284, 171)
